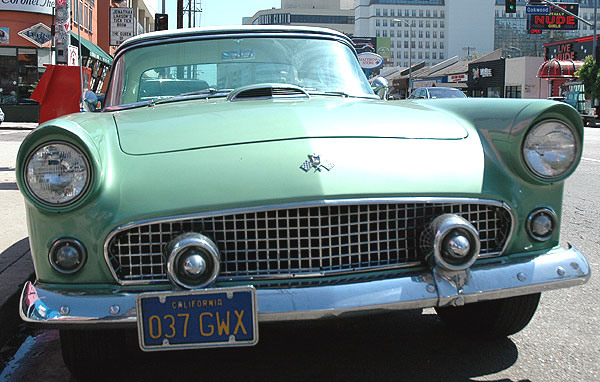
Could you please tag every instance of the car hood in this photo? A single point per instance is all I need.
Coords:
(198, 124)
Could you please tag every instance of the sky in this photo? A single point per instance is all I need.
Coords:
(216, 12)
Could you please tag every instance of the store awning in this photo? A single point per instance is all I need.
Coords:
(559, 69)
(92, 49)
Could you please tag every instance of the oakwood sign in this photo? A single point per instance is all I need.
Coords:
(32, 6)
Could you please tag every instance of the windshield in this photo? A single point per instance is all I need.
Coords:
(220, 65)
(445, 93)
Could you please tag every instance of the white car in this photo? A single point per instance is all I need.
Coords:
(1, 116)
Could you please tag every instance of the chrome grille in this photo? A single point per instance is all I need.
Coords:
(328, 238)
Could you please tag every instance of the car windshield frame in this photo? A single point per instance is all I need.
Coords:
(350, 81)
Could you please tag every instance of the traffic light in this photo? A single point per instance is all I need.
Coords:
(161, 22)
(510, 6)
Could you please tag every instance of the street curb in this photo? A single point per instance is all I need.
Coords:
(18, 125)
(16, 267)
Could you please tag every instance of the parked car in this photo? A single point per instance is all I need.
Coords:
(286, 190)
(1, 116)
(436, 92)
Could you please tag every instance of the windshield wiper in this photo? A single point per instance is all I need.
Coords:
(204, 93)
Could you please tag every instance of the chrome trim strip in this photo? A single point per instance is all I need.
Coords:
(313, 203)
(516, 275)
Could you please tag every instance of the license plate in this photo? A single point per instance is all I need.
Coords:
(197, 319)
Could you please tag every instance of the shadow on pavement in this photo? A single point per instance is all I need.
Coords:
(400, 346)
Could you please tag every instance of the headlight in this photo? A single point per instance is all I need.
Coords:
(57, 173)
(550, 149)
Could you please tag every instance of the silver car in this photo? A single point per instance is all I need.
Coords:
(1, 116)
(436, 92)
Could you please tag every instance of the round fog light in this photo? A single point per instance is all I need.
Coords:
(455, 242)
(541, 223)
(67, 255)
(193, 261)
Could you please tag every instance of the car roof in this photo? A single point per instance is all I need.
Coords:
(224, 30)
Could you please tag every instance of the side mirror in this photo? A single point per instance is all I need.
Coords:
(90, 101)
(380, 87)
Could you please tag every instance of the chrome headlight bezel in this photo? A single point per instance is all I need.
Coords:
(542, 169)
(89, 173)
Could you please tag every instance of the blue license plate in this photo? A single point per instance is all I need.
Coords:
(197, 319)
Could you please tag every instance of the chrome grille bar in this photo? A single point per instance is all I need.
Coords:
(328, 237)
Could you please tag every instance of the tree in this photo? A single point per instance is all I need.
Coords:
(590, 76)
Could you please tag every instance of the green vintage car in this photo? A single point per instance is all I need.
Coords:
(244, 175)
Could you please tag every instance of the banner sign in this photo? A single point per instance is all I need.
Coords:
(384, 47)
(32, 6)
(458, 77)
(122, 24)
(4, 35)
(556, 19)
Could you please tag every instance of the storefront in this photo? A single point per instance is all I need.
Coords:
(96, 59)
(486, 79)
(25, 40)
(25, 47)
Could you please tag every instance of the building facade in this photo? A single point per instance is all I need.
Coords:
(434, 30)
(334, 14)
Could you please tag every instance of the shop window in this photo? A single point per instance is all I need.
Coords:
(8, 76)
(27, 74)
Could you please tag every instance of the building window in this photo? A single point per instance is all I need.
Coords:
(377, 12)
(405, 54)
(385, 24)
(412, 44)
(392, 33)
(420, 23)
(420, 44)
(406, 44)
(435, 13)
(405, 33)
(427, 34)
(428, 24)
(377, 33)
(435, 45)
(443, 14)
(434, 55)
(385, 12)
(441, 45)
(441, 55)
(420, 55)
(384, 33)
(426, 44)
(441, 34)
(435, 24)
(513, 92)
(442, 24)
(420, 34)
(434, 34)
(420, 13)
(428, 13)
(377, 22)
(414, 13)
(398, 55)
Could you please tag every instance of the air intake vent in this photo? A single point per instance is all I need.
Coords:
(267, 91)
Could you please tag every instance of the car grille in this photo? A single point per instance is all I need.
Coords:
(291, 241)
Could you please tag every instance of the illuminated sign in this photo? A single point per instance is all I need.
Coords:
(565, 52)
(556, 19)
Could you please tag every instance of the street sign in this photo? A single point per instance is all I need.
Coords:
(122, 25)
(537, 9)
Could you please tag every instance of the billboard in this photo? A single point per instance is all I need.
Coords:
(384, 47)
(556, 19)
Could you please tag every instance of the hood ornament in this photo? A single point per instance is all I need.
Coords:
(315, 161)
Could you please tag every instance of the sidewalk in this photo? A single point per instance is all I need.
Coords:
(18, 125)
(16, 267)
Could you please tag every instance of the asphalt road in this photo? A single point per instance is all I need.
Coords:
(562, 343)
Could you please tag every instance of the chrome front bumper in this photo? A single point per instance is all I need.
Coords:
(558, 268)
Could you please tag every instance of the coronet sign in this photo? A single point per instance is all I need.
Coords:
(370, 60)
(33, 6)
